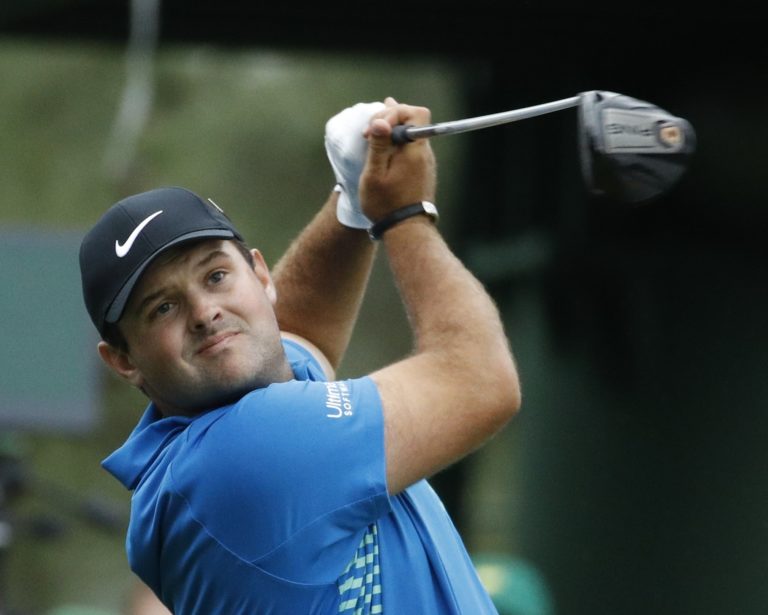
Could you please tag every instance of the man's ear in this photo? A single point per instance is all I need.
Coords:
(262, 272)
(119, 361)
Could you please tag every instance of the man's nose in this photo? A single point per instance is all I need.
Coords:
(203, 311)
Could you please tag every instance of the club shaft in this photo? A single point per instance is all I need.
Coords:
(484, 121)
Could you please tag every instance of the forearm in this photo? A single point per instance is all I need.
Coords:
(452, 316)
(321, 281)
(453, 319)
(460, 385)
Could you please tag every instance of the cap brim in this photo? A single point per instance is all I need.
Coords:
(116, 308)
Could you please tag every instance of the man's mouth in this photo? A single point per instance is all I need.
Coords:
(216, 342)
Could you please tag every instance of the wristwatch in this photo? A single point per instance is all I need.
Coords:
(426, 208)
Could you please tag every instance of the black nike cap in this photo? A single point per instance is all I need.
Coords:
(131, 234)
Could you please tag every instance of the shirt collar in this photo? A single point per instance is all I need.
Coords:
(148, 439)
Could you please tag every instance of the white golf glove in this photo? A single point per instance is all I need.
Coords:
(347, 148)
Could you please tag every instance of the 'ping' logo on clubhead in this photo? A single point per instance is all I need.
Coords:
(632, 132)
(631, 129)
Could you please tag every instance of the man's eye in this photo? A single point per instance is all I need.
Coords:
(217, 276)
(163, 308)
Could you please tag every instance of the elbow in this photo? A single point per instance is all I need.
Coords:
(493, 385)
(508, 395)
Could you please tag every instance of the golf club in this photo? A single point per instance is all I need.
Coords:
(629, 149)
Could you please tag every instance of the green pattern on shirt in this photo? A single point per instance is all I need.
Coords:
(360, 583)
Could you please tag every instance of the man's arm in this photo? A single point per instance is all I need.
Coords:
(320, 282)
(143, 602)
(460, 386)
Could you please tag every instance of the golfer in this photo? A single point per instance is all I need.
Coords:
(261, 484)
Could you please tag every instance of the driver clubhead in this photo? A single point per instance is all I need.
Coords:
(631, 150)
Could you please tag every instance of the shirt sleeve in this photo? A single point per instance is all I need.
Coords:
(290, 477)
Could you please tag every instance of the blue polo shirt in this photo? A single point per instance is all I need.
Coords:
(278, 504)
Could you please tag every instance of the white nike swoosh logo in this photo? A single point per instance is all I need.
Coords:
(122, 250)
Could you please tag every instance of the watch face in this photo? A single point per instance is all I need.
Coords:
(430, 209)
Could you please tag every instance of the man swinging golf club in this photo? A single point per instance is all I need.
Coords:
(260, 483)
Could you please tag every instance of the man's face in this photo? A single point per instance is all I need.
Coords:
(201, 329)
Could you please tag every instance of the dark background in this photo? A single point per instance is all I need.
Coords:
(640, 331)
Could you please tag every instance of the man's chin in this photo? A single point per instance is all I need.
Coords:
(226, 389)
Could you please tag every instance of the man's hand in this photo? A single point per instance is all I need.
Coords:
(347, 148)
(396, 175)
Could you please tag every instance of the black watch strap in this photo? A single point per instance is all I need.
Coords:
(422, 207)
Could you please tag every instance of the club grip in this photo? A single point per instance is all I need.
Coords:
(400, 134)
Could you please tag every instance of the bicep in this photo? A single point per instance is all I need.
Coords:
(433, 416)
